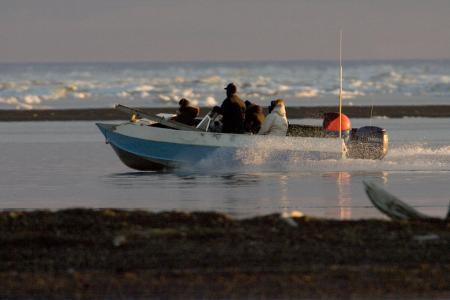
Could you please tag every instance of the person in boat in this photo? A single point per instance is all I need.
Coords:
(276, 122)
(232, 111)
(254, 117)
(186, 113)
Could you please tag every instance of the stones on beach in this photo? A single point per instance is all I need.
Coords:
(427, 237)
(289, 217)
(119, 240)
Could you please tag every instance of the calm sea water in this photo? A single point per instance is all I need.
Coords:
(67, 164)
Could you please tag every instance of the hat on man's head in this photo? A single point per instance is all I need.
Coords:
(231, 88)
(184, 102)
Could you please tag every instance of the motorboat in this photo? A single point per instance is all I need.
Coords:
(148, 142)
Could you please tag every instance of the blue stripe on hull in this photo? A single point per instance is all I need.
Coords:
(169, 154)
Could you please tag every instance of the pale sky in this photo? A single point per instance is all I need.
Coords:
(221, 30)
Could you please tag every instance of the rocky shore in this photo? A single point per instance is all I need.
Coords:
(390, 111)
(116, 254)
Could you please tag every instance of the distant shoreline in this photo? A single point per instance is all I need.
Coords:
(94, 114)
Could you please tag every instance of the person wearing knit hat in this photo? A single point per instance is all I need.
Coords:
(186, 113)
(233, 111)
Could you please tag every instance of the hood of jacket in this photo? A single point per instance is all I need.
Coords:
(280, 109)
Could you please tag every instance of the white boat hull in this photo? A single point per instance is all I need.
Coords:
(144, 147)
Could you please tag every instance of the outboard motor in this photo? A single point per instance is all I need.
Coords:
(368, 142)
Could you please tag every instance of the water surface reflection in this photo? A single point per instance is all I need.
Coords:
(333, 194)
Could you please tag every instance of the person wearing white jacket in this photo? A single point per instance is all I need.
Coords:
(276, 122)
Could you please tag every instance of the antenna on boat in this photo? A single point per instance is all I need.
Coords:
(340, 89)
(340, 83)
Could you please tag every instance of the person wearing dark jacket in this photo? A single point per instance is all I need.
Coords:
(254, 117)
(233, 111)
(187, 113)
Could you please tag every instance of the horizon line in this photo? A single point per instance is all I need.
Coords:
(361, 60)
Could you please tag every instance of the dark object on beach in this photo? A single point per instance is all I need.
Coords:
(186, 113)
(233, 111)
(254, 117)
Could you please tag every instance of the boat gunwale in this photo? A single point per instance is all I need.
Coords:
(228, 140)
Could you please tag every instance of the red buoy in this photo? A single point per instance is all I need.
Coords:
(331, 122)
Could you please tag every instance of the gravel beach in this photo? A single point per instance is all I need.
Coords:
(117, 254)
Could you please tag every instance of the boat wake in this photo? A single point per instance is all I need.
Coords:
(418, 157)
